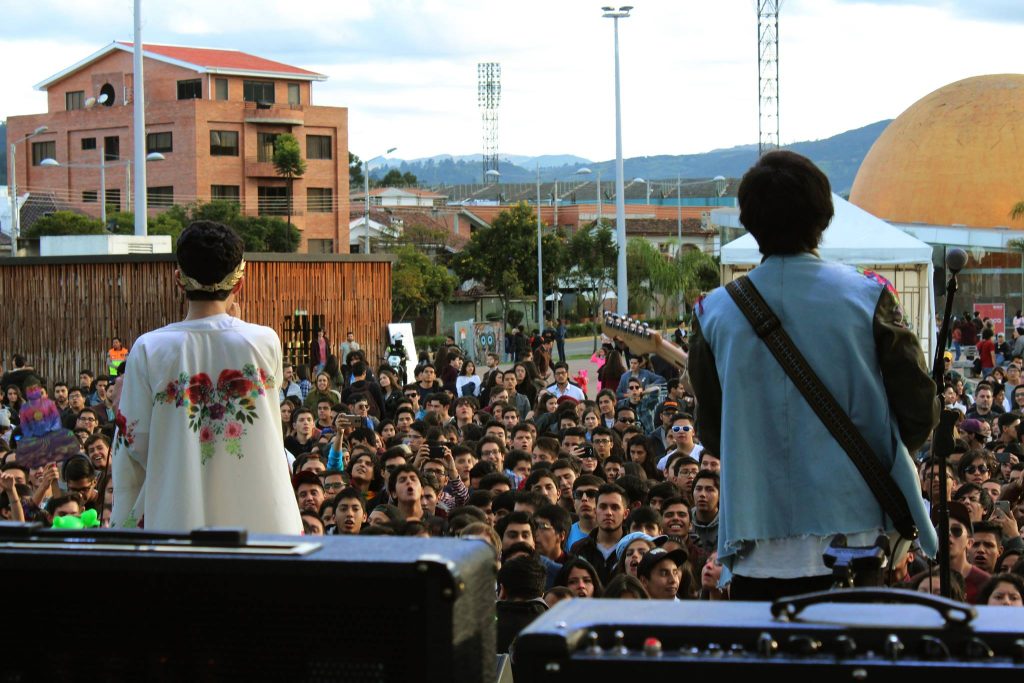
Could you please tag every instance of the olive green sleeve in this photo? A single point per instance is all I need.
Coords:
(910, 389)
(707, 389)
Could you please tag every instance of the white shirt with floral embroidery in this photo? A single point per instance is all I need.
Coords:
(199, 431)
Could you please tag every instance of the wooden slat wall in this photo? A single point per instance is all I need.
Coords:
(61, 313)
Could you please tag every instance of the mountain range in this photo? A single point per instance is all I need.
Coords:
(839, 157)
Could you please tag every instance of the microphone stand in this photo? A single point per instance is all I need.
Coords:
(942, 437)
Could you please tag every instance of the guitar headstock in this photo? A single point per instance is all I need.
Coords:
(636, 334)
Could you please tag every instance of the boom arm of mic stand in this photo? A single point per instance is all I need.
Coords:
(942, 443)
(940, 343)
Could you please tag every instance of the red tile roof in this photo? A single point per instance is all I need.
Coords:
(221, 59)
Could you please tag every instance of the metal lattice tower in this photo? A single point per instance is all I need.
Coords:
(488, 75)
(767, 75)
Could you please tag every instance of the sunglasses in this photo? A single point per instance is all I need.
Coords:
(580, 494)
(627, 420)
(976, 469)
(682, 428)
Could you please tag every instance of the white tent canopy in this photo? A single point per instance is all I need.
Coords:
(856, 237)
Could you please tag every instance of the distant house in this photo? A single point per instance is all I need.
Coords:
(400, 196)
(213, 114)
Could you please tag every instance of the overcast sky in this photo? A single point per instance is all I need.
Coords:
(407, 69)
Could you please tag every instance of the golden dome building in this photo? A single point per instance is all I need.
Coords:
(949, 171)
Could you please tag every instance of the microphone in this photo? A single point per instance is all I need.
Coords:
(956, 259)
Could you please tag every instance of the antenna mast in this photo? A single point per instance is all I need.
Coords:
(767, 75)
(488, 75)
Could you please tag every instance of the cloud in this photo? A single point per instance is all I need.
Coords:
(982, 10)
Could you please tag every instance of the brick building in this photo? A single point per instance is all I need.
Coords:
(213, 114)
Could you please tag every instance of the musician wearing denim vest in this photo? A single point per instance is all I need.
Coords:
(787, 486)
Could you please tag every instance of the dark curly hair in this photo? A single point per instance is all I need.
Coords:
(207, 251)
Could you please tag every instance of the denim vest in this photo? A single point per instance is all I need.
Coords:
(783, 475)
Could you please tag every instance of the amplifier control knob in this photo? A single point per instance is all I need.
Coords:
(894, 647)
(846, 646)
(714, 650)
(593, 646)
(804, 645)
(652, 647)
(766, 645)
(978, 649)
(620, 644)
(1018, 650)
(934, 649)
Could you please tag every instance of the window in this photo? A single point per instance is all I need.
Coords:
(320, 246)
(112, 147)
(223, 143)
(265, 146)
(293, 93)
(272, 201)
(114, 198)
(88, 143)
(43, 150)
(258, 91)
(191, 89)
(74, 100)
(319, 199)
(159, 197)
(225, 193)
(318, 147)
(220, 88)
(90, 196)
(159, 142)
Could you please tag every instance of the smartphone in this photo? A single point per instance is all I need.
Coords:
(1003, 505)
(436, 451)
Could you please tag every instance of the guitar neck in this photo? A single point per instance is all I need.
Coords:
(673, 354)
(640, 339)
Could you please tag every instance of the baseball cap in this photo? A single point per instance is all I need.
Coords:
(957, 511)
(652, 558)
(971, 426)
(620, 547)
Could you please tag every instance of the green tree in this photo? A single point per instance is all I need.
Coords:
(395, 178)
(593, 253)
(503, 257)
(418, 284)
(288, 163)
(666, 283)
(65, 223)
(355, 170)
(1017, 211)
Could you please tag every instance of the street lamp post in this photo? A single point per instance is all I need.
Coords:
(540, 265)
(620, 204)
(103, 165)
(679, 209)
(15, 211)
(366, 192)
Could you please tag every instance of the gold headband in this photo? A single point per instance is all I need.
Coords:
(228, 283)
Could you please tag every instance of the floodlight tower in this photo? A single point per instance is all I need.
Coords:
(488, 76)
(767, 75)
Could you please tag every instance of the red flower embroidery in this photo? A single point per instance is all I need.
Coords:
(172, 391)
(233, 383)
(199, 388)
(205, 435)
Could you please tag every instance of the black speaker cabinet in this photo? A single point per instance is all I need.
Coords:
(137, 606)
(826, 637)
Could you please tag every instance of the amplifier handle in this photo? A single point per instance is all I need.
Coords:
(955, 613)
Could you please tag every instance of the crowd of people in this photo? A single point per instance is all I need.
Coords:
(606, 497)
(612, 492)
